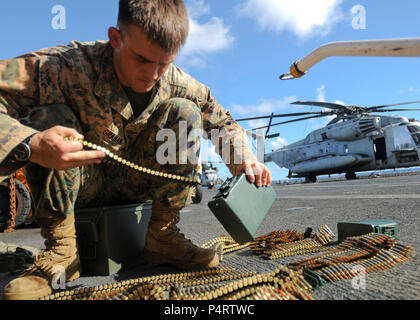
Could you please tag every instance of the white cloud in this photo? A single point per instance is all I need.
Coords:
(208, 151)
(320, 94)
(278, 143)
(207, 35)
(263, 107)
(410, 89)
(320, 97)
(197, 8)
(255, 124)
(303, 18)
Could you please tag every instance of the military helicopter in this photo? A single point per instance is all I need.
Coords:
(356, 139)
(208, 174)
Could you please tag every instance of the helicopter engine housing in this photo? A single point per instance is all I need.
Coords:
(353, 130)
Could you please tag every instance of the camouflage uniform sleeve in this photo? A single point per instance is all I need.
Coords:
(228, 137)
(226, 134)
(25, 81)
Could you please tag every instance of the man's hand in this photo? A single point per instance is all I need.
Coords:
(256, 172)
(50, 150)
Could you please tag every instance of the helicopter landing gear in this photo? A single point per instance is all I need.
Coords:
(351, 176)
(310, 178)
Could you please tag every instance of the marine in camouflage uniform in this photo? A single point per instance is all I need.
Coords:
(81, 77)
(78, 86)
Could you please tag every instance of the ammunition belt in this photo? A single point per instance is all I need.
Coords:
(371, 252)
(223, 245)
(207, 284)
(12, 204)
(115, 159)
(280, 244)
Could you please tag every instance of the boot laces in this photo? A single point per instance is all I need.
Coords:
(46, 262)
(172, 227)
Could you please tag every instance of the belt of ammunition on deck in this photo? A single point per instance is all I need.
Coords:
(372, 252)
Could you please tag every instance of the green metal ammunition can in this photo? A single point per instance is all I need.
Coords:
(352, 229)
(111, 239)
(241, 207)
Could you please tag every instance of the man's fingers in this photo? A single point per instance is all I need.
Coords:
(80, 159)
(68, 132)
(69, 146)
(268, 178)
(249, 173)
(75, 164)
(253, 172)
(258, 174)
(83, 156)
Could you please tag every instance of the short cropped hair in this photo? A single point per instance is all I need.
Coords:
(165, 22)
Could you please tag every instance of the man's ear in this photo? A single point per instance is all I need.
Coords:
(114, 36)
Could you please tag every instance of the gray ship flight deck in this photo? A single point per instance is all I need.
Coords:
(299, 206)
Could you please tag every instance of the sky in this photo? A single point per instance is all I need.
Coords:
(239, 48)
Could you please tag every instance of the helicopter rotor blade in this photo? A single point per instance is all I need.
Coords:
(282, 115)
(338, 110)
(269, 124)
(289, 121)
(335, 120)
(393, 110)
(391, 105)
(328, 105)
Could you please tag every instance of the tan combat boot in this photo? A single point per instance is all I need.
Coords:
(60, 254)
(166, 245)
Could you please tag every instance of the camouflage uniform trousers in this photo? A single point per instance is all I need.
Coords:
(58, 192)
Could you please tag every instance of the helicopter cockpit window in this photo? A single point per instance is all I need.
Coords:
(415, 134)
(416, 138)
(414, 129)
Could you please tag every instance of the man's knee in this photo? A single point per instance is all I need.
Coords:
(181, 109)
(54, 191)
(45, 117)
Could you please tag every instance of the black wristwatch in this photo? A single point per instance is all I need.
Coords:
(23, 150)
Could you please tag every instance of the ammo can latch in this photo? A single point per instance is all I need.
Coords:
(227, 187)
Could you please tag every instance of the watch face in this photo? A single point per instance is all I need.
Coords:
(22, 152)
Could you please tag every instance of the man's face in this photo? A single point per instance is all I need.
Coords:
(138, 62)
